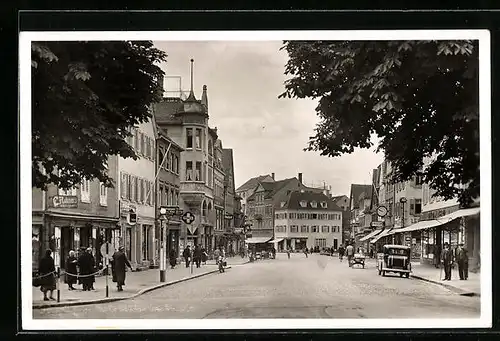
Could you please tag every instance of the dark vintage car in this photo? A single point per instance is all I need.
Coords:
(396, 259)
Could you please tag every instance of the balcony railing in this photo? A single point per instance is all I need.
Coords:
(188, 186)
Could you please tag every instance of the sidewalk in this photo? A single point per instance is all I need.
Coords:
(136, 283)
(470, 287)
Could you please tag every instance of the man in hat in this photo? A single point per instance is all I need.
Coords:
(462, 261)
(447, 259)
(118, 267)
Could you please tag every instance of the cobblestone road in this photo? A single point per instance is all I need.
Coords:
(316, 287)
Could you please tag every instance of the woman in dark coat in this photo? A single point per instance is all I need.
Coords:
(197, 255)
(118, 267)
(85, 265)
(71, 270)
(172, 258)
(48, 277)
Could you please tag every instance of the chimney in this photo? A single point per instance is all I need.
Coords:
(272, 175)
(204, 98)
(300, 177)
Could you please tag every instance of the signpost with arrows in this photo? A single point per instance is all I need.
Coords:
(166, 213)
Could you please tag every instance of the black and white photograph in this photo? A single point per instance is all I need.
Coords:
(255, 179)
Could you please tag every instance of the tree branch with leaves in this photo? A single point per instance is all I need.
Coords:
(419, 97)
(85, 96)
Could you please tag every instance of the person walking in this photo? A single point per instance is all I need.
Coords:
(71, 270)
(306, 252)
(447, 259)
(119, 262)
(47, 271)
(341, 252)
(172, 258)
(187, 254)
(197, 255)
(463, 262)
(350, 253)
(288, 253)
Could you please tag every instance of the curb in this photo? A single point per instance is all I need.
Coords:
(114, 299)
(452, 288)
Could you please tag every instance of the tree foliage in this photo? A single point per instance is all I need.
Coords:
(420, 97)
(85, 94)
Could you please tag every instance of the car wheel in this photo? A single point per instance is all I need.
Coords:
(408, 275)
(400, 274)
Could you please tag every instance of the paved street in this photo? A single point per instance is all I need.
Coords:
(316, 287)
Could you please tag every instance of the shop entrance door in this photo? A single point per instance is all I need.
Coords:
(67, 244)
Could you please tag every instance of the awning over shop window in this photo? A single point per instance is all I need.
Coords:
(276, 240)
(384, 233)
(257, 240)
(370, 235)
(426, 224)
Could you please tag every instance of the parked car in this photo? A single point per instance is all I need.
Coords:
(396, 259)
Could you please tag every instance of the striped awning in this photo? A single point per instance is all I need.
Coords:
(257, 240)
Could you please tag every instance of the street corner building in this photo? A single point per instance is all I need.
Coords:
(203, 184)
(306, 219)
(83, 216)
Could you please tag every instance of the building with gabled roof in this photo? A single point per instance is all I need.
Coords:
(247, 189)
(307, 219)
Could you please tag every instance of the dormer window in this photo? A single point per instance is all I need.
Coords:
(283, 204)
(303, 203)
(324, 204)
(314, 204)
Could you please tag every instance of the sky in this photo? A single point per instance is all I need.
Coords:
(267, 134)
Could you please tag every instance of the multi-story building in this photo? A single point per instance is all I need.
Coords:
(136, 188)
(83, 216)
(186, 123)
(359, 202)
(230, 201)
(247, 189)
(307, 219)
(261, 205)
(168, 157)
(342, 201)
(219, 194)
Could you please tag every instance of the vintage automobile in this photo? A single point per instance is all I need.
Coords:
(358, 259)
(396, 259)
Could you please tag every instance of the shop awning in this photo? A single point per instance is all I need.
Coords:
(277, 240)
(384, 233)
(465, 212)
(370, 235)
(426, 224)
(258, 240)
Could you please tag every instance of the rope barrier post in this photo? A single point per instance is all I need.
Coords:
(106, 259)
(57, 284)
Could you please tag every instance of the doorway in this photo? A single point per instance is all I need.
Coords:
(67, 244)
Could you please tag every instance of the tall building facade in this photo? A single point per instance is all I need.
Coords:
(167, 189)
(219, 194)
(83, 216)
(137, 196)
(186, 123)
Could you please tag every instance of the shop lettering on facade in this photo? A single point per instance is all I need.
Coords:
(65, 201)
